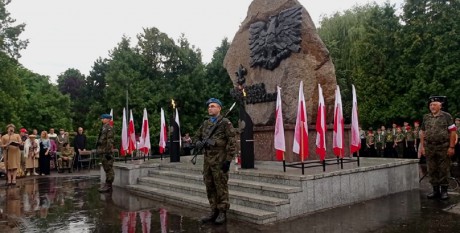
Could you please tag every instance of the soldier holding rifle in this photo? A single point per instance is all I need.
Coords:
(216, 137)
(104, 150)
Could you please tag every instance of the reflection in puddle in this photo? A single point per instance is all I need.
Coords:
(73, 204)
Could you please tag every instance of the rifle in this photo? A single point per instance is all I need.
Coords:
(207, 141)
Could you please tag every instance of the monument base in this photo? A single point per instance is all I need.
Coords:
(267, 194)
(264, 148)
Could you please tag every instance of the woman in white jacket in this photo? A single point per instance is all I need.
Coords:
(31, 154)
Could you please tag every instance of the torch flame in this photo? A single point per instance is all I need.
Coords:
(173, 103)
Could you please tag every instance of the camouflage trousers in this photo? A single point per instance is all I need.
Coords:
(108, 169)
(216, 186)
(438, 163)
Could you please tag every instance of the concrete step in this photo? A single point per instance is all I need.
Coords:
(236, 211)
(236, 197)
(242, 174)
(261, 188)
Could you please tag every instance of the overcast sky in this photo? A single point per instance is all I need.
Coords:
(73, 34)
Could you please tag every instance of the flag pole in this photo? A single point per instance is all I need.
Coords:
(341, 160)
(127, 131)
(284, 163)
(302, 146)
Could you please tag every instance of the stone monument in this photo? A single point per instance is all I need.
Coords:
(278, 45)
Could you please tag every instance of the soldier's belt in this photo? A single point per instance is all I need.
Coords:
(436, 142)
(217, 148)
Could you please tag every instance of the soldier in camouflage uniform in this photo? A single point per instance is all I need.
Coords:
(399, 142)
(456, 157)
(104, 151)
(380, 142)
(438, 134)
(389, 144)
(370, 143)
(219, 151)
(410, 143)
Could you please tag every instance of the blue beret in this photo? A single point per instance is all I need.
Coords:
(213, 100)
(106, 116)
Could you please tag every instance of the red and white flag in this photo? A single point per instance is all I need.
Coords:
(144, 140)
(111, 120)
(124, 135)
(355, 139)
(301, 130)
(178, 127)
(131, 133)
(321, 126)
(280, 144)
(337, 138)
(146, 219)
(164, 220)
(163, 132)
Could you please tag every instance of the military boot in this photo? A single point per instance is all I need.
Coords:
(435, 193)
(107, 188)
(444, 195)
(210, 217)
(221, 218)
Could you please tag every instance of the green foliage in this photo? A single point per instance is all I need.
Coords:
(45, 106)
(396, 62)
(9, 33)
(11, 92)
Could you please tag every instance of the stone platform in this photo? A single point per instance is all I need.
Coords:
(267, 194)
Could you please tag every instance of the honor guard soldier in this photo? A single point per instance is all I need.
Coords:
(437, 138)
(104, 151)
(219, 149)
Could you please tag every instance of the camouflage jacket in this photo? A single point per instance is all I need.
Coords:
(410, 136)
(380, 138)
(417, 133)
(399, 137)
(435, 128)
(224, 147)
(67, 152)
(105, 139)
(389, 137)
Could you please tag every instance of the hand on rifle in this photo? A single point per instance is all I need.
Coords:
(225, 166)
(199, 144)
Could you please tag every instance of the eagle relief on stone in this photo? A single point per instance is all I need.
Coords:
(271, 42)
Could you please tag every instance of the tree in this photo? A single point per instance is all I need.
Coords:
(218, 83)
(430, 59)
(11, 92)
(44, 106)
(72, 83)
(9, 33)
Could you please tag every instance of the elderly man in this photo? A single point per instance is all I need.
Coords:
(437, 138)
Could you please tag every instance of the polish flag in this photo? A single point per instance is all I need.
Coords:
(164, 220)
(124, 135)
(355, 139)
(132, 134)
(280, 144)
(337, 138)
(321, 126)
(111, 120)
(178, 127)
(163, 132)
(301, 130)
(144, 140)
(146, 219)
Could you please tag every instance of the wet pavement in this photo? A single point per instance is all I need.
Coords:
(71, 203)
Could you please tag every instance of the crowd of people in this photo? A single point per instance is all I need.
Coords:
(28, 154)
(397, 141)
